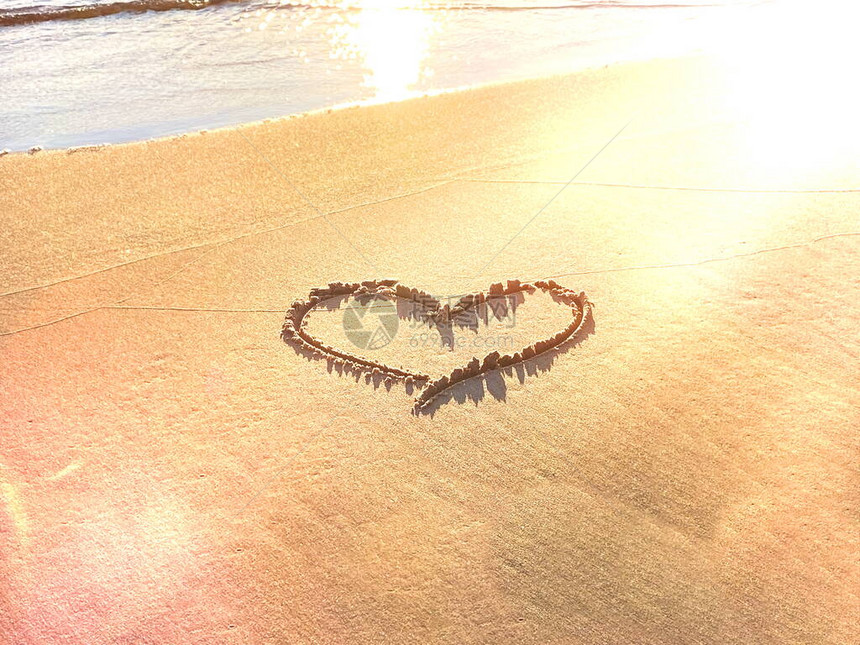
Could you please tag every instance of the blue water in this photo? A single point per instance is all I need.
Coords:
(77, 77)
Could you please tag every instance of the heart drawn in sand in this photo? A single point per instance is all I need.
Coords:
(294, 331)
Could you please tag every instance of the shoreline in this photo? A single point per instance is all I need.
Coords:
(363, 103)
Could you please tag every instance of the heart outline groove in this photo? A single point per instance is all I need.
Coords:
(294, 330)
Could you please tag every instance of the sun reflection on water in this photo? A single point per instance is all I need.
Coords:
(385, 41)
(390, 41)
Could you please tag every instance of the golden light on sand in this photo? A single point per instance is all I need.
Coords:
(14, 511)
(134, 544)
(182, 463)
(390, 41)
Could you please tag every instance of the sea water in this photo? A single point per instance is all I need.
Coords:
(77, 72)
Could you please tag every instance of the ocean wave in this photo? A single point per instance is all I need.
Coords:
(47, 13)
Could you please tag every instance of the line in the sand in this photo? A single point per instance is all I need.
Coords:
(445, 182)
(704, 189)
(678, 265)
(307, 200)
(553, 198)
(225, 310)
(219, 244)
(103, 270)
(548, 277)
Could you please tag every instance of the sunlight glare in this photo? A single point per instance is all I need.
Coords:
(792, 84)
(390, 40)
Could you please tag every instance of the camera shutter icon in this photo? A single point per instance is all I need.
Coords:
(370, 323)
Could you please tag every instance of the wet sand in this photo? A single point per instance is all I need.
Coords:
(172, 472)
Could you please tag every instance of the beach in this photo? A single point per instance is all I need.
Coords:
(685, 472)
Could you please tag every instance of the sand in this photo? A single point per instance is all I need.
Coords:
(172, 472)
